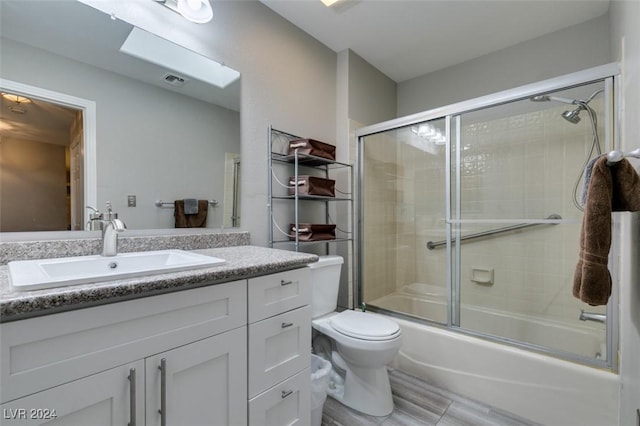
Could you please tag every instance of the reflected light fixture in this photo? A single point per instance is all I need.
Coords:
(329, 3)
(19, 99)
(198, 11)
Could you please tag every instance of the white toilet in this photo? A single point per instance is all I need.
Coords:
(365, 342)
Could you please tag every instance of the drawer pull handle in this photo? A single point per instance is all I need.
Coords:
(286, 393)
(286, 324)
(283, 282)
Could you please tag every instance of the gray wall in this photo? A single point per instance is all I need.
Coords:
(573, 49)
(151, 142)
(372, 95)
(625, 47)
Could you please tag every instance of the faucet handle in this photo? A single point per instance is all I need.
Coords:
(96, 213)
(110, 213)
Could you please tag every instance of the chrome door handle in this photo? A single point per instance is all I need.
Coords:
(132, 397)
(163, 392)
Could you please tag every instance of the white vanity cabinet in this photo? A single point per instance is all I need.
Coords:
(101, 399)
(280, 349)
(77, 364)
(225, 354)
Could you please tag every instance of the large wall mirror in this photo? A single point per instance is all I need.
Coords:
(99, 125)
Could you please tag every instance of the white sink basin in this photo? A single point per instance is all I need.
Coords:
(48, 273)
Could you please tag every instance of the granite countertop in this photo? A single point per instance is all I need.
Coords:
(241, 262)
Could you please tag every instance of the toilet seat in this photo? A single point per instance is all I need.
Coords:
(365, 326)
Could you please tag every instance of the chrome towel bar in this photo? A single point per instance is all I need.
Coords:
(160, 203)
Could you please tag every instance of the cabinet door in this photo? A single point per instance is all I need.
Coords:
(279, 347)
(287, 403)
(99, 400)
(203, 383)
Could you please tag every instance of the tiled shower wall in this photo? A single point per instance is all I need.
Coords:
(521, 166)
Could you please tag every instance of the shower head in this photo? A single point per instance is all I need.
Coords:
(573, 116)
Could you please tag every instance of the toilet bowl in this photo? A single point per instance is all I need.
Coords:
(365, 343)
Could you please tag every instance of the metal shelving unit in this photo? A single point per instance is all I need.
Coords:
(278, 154)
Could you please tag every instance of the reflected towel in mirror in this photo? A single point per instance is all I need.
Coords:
(185, 220)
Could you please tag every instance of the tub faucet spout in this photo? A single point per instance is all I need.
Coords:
(592, 316)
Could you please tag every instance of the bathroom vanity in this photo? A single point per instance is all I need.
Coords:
(226, 345)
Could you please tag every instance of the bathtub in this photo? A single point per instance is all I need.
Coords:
(541, 388)
(429, 302)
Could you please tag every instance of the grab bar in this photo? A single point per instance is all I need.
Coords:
(432, 245)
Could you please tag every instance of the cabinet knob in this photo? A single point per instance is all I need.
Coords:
(283, 282)
(286, 393)
(286, 324)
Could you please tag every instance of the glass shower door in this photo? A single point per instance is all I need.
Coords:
(471, 218)
(403, 205)
(518, 166)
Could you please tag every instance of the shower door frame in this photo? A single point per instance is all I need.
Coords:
(608, 74)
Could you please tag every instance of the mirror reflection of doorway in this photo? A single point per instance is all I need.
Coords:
(41, 165)
(231, 190)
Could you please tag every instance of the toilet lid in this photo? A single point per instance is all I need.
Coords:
(366, 326)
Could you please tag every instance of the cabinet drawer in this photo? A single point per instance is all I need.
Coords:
(288, 403)
(273, 294)
(47, 351)
(279, 347)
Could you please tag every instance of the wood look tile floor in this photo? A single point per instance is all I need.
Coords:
(418, 404)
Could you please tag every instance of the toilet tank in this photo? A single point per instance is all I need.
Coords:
(325, 282)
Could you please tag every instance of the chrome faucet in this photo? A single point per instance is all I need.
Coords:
(592, 316)
(111, 226)
(95, 219)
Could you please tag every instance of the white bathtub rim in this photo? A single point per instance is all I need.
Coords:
(548, 390)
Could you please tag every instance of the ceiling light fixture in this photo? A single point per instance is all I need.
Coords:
(329, 3)
(198, 11)
(19, 99)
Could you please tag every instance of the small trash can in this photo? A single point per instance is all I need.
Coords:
(320, 372)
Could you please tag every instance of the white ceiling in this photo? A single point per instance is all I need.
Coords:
(406, 39)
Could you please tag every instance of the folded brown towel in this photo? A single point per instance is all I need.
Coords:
(198, 220)
(611, 188)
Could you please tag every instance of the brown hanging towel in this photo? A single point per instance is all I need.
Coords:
(191, 220)
(611, 188)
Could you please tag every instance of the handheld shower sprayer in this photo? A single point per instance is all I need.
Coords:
(573, 117)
